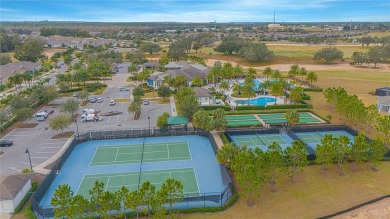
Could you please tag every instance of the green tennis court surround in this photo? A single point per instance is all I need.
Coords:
(108, 155)
(244, 122)
(114, 181)
(243, 117)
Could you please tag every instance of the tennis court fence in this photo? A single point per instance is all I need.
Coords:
(211, 199)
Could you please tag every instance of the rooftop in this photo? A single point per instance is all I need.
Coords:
(10, 185)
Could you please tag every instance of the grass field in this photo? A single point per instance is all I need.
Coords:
(309, 50)
(312, 195)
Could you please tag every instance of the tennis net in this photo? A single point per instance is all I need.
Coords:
(260, 139)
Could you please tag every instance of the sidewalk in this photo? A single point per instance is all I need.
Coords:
(173, 106)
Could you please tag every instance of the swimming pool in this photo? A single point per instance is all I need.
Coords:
(261, 101)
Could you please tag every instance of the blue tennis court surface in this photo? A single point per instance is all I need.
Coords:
(189, 159)
(314, 138)
(262, 140)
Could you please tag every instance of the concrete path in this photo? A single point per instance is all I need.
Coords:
(217, 139)
(173, 107)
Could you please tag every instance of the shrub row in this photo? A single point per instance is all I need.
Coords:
(314, 89)
(226, 108)
(243, 112)
(28, 212)
(24, 200)
(95, 86)
(224, 138)
(8, 123)
(284, 106)
(232, 200)
(72, 90)
(305, 96)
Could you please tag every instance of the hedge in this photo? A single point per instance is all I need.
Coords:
(284, 106)
(72, 90)
(313, 89)
(28, 212)
(224, 138)
(226, 108)
(243, 112)
(26, 197)
(8, 123)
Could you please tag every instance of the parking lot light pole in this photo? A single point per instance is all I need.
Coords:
(149, 123)
(77, 127)
(28, 152)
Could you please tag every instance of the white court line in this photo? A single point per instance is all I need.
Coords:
(126, 115)
(168, 150)
(28, 163)
(109, 119)
(189, 151)
(196, 179)
(116, 155)
(93, 156)
(15, 169)
(80, 184)
(108, 182)
(136, 173)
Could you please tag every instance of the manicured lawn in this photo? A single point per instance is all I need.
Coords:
(309, 50)
(313, 195)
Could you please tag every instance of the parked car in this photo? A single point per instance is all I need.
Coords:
(6, 143)
(100, 100)
(75, 94)
(93, 100)
(146, 102)
(112, 103)
(112, 113)
(124, 89)
(41, 116)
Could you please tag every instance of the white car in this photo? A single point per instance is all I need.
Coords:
(100, 100)
(124, 89)
(112, 103)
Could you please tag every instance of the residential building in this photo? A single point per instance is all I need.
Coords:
(22, 66)
(151, 65)
(187, 69)
(13, 189)
(384, 104)
(383, 91)
(204, 96)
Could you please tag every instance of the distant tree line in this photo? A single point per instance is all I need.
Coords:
(77, 32)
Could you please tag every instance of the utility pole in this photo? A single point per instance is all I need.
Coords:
(274, 14)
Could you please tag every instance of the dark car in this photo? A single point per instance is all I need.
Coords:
(6, 143)
(112, 113)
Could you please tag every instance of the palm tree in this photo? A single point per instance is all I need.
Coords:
(296, 93)
(312, 77)
(267, 72)
(247, 89)
(302, 72)
(276, 89)
(180, 81)
(237, 89)
(276, 74)
(27, 77)
(294, 70)
(292, 117)
(252, 72)
(238, 71)
(135, 107)
(224, 86)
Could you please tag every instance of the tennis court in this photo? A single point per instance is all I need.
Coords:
(132, 180)
(279, 118)
(314, 138)
(261, 141)
(244, 120)
(132, 161)
(151, 152)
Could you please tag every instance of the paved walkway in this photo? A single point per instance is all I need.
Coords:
(217, 139)
(173, 107)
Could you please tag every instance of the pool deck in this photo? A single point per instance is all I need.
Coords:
(279, 100)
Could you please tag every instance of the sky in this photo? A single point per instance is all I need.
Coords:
(195, 10)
